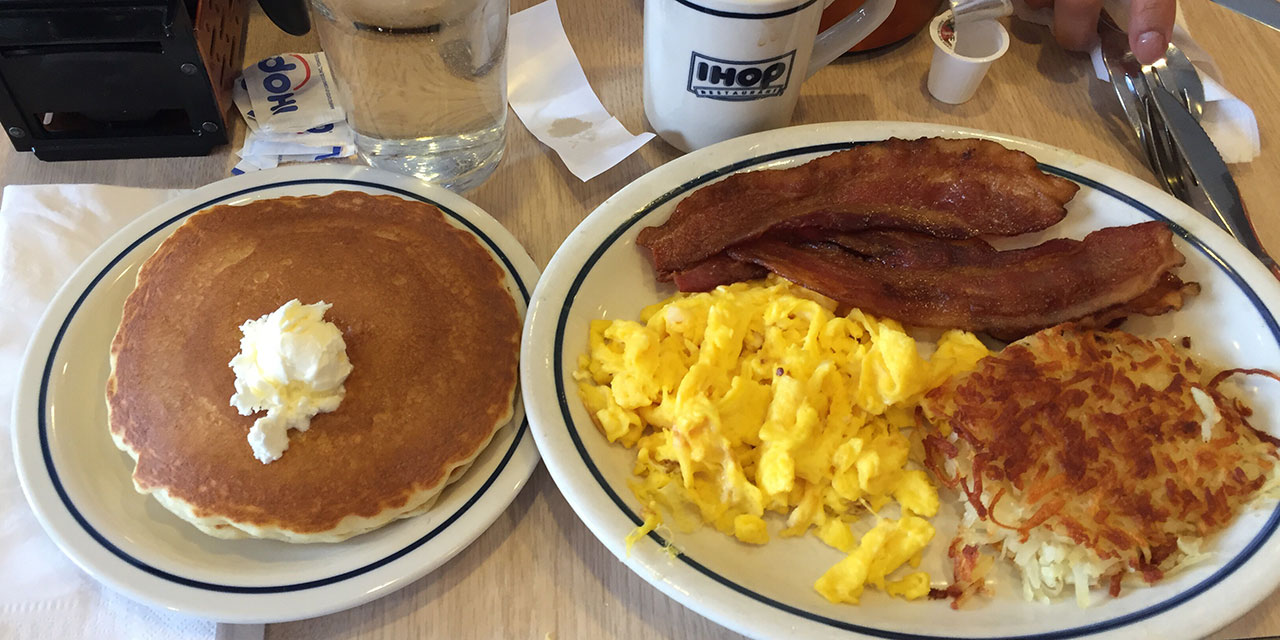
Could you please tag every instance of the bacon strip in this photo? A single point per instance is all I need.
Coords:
(1168, 295)
(890, 248)
(715, 271)
(944, 188)
(969, 285)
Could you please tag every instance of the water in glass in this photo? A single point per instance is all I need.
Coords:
(423, 83)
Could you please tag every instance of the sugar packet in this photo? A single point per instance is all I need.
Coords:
(292, 92)
(288, 103)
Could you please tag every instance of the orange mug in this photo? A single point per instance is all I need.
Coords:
(908, 17)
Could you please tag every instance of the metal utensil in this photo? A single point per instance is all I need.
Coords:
(1179, 152)
(1164, 155)
(1178, 75)
(1130, 85)
(1127, 81)
(1265, 11)
(1210, 187)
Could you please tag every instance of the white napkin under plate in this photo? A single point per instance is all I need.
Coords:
(45, 232)
(1229, 122)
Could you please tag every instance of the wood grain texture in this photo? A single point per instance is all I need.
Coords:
(538, 570)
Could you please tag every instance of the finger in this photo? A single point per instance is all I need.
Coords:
(1039, 4)
(1075, 23)
(1150, 27)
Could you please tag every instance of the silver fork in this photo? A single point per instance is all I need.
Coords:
(1167, 162)
(1133, 83)
(1178, 76)
(1126, 79)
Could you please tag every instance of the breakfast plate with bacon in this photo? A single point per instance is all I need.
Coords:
(913, 381)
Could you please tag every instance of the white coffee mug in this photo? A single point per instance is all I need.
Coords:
(718, 69)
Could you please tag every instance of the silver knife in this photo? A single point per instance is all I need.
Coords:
(1212, 190)
(1265, 11)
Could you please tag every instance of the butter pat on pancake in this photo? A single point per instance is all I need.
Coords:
(430, 330)
(292, 363)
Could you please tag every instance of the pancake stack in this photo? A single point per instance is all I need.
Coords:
(431, 331)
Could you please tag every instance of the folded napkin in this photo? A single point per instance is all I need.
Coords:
(45, 232)
(1229, 122)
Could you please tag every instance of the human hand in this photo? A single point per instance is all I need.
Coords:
(1075, 24)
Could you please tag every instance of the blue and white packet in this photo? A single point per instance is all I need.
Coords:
(292, 92)
(289, 103)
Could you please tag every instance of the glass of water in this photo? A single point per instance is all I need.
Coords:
(423, 82)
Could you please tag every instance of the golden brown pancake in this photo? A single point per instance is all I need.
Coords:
(431, 332)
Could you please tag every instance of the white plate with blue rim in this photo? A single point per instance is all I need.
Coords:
(766, 591)
(78, 483)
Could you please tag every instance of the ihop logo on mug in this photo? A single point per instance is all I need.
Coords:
(739, 80)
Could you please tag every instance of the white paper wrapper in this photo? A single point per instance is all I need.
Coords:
(240, 93)
(256, 144)
(320, 136)
(255, 163)
(549, 92)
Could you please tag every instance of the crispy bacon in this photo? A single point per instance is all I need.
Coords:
(898, 249)
(906, 250)
(1168, 295)
(715, 271)
(945, 188)
(925, 281)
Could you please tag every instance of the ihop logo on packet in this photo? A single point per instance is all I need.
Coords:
(738, 81)
(292, 92)
(279, 85)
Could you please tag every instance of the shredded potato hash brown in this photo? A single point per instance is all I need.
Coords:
(757, 397)
(1089, 456)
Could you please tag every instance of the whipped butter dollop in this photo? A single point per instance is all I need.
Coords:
(292, 364)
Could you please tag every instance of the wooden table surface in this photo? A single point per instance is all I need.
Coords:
(538, 570)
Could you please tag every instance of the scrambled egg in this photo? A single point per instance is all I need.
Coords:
(757, 398)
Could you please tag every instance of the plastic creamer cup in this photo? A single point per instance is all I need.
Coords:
(961, 56)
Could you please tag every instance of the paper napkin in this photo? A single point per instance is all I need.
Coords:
(45, 232)
(549, 92)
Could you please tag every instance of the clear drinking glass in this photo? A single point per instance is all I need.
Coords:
(424, 83)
